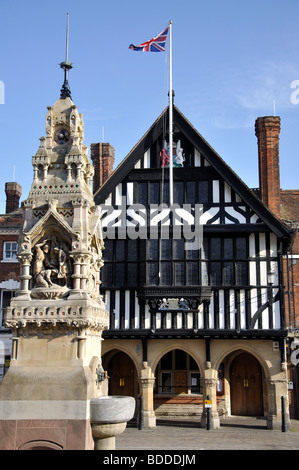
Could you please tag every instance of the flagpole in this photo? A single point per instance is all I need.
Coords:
(170, 119)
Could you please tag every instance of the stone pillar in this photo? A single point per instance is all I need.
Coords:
(77, 275)
(146, 384)
(276, 388)
(25, 262)
(209, 388)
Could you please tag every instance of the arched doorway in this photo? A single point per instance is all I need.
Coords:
(177, 373)
(246, 386)
(122, 375)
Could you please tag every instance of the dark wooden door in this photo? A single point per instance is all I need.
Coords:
(180, 382)
(246, 386)
(122, 374)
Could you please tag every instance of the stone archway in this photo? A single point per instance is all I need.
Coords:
(246, 386)
(178, 388)
(177, 373)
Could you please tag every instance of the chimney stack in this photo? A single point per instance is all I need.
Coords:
(267, 131)
(13, 193)
(102, 156)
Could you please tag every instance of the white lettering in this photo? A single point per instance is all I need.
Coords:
(295, 353)
(2, 352)
(294, 95)
(114, 460)
(132, 222)
(168, 459)
(190, 461)
(2, 92)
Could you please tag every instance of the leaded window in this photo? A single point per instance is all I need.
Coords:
(227, 261)
(120, 264)
(165, 262)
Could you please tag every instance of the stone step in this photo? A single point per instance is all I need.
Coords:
(171, 409)
(178, 410)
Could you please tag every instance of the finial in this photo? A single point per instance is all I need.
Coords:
(65, 91)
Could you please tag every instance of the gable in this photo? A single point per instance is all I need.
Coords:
(226, 198)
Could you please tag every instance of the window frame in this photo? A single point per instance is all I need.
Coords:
(121, 265)
(10, 259)
(225, 266)
(168, 266)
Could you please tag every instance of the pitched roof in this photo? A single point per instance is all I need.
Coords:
(11, 221)
(197, 140)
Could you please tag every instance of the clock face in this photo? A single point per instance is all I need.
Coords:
(62, 136)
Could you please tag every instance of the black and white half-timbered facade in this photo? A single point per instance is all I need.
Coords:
(195, 287)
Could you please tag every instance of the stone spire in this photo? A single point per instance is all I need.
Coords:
(61, 165)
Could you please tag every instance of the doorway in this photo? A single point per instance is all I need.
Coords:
(177, 373)
(246, 386)
(122, 373)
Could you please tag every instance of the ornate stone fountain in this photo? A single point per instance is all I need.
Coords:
(57, 317)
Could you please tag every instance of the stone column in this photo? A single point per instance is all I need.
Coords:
(209, 388)
(276, 388)
(84, 263)
(77, 272)
(25, 262)
(146, 385)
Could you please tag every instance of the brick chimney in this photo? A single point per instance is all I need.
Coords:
(13, 193)
(102, 156)
(267, 131)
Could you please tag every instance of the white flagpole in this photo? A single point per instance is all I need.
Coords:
(170, 119)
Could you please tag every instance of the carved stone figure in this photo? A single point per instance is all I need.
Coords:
(51, 261)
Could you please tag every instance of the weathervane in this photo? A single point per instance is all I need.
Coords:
(65, 91)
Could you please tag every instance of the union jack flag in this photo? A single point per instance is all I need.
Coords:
(156, 44)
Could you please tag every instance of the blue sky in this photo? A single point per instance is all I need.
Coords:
(231, 61)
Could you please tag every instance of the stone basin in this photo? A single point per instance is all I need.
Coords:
(112, 409)
(108, 418)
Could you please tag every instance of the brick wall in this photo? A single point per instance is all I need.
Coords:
(291, 280)
(290, 216)
(8, 270)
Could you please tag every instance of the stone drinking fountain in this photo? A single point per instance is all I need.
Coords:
(108, 418)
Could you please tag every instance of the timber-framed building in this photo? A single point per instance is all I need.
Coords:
(189, 322)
